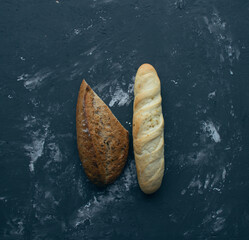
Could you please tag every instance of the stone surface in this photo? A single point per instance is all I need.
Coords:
(200, 51)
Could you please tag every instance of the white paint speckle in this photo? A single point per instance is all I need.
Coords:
(55, 152)
(121, 93)
(90, 51)
(183, 191)
(22, 77)
(88, 27)
(216, 189)
(237, 53)
(3, 199)
(219, 224)
(120, 97)
(100, 87)
(211, 95)
(216, 179)
(224, 172)
(207, 181)
(129, 123)
(211, 130)
(16, 226)
(33, 81)
(35, 149)
(215, 219)
(222, 36)
(196, 183)
(77, 31)
(174, 81)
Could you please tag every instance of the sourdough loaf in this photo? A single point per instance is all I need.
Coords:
(102, 141)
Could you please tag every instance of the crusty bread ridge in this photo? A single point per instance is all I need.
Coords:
(102, 141)
(148, 129)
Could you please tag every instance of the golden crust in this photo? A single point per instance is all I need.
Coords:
(148, 128)
(145, 68)
(102, 141)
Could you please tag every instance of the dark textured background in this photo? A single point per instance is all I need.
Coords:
(200, 50)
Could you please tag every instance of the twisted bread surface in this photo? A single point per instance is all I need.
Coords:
(148, 129)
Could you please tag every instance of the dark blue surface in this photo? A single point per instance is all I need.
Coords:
(200, 50)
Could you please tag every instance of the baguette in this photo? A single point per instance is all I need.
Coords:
(148, 129)
(102, 141)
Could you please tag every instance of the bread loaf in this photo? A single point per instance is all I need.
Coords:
(102, 141)
(148, 129)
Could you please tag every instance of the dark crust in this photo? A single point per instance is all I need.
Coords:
(102, 141)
